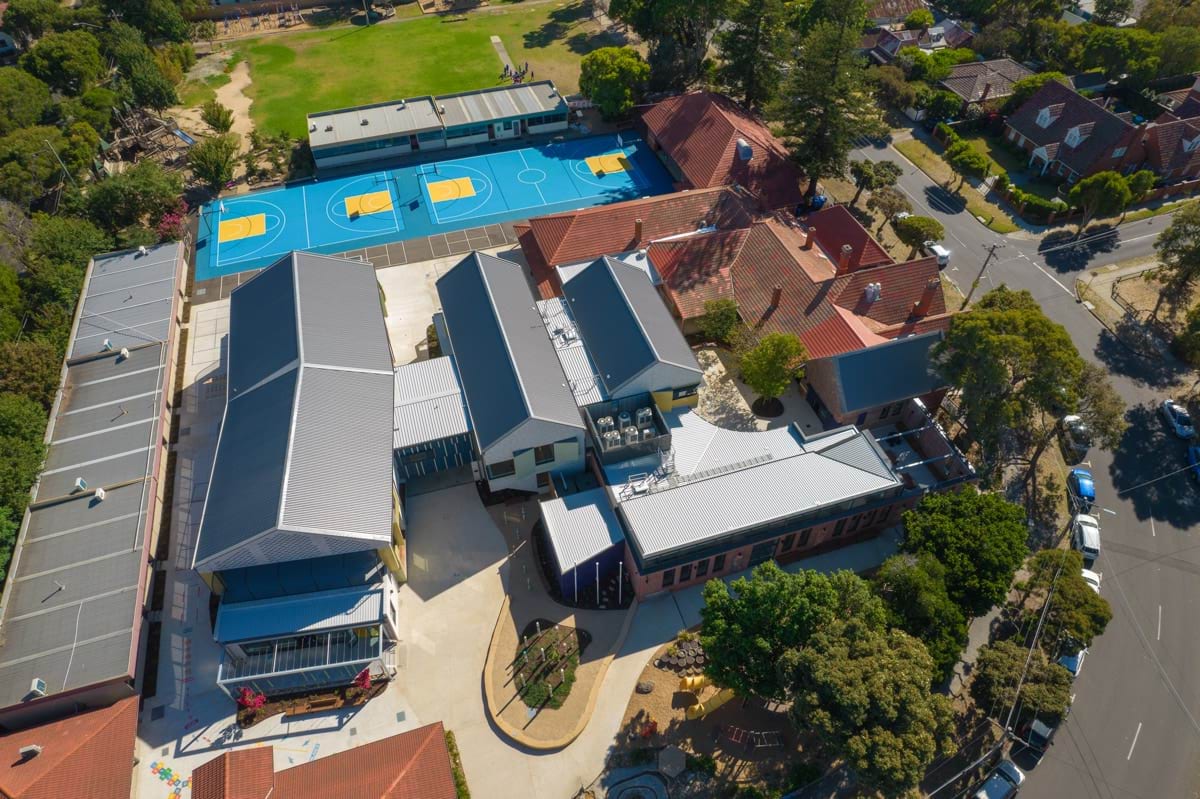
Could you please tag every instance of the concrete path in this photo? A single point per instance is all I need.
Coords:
(501, 52)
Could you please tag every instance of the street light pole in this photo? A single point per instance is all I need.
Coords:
(979, 277)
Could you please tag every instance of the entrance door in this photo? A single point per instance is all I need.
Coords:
(491, 132)
(413, 143)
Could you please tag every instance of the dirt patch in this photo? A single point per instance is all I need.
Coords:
(232, 95)
(1141, 294)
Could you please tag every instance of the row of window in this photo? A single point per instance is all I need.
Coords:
(542, 454)
(700, 570)
(361, 146)
(548, 119)
(463, 132)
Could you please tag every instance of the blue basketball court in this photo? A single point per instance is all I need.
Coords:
(251, 231)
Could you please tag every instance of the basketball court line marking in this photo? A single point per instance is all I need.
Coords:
(537, 185)
(242, 227)
(373, 202)
(488, 184)
(451, 189)
(304, 202)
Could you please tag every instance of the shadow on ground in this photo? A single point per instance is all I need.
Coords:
(1063, 251)
(1147, 452)
(1158, 371)
(944, 200)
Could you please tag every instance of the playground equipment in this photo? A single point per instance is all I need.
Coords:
(693, 684)
(702, 709)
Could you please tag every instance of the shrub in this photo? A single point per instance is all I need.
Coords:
(946, 133)
(460, 777)
(720, 320)
(703, 764)
(1001, 183)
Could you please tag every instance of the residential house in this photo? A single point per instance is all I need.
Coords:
(707, 140)
(890, 12)
(882, 46)
(410, 765)
(980, 81)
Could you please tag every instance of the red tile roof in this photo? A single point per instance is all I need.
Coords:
(835, 226)
(696, 269)
(411, 765)
(574, 236)
(700, 132)
(1166, 146)
(893, 9)
(86, 755)
(240, 774)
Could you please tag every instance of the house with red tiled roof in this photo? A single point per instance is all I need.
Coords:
(889, 12)
(411, 765)
(707, 140)
(89, 754)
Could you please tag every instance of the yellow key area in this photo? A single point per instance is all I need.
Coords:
(373, 203)
(453, 189)
(243, 227)
(613, 162)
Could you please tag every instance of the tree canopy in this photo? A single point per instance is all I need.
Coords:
(1102, 193)
(613, 78)
(139, 194)
(679, 33)
(1026, 87)
(979, 538)
(753, 46)
(1077, 614)
(69, 61)
(888, 202)
(1178, 250)
(212, 161)
(24, 98)
(771, 365)
(1046, 690)
(918, 602)
(720, 320)
(916, 230)
(873, 175)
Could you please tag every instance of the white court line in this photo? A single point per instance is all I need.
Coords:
(1153, 532)
(1135, 737)
(1158, 637)
(389, 180)
(304, 200)
(521, 153)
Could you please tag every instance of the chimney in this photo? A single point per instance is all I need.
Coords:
(987, 89)
(844, 264)
(921, 306)
(776, 296)
(637, 230)
(810, 238)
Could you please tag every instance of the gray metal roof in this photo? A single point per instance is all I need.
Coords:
(501, 102)
(581, 526)
(303, 466)
(505, 360)
(72, 605)
(362, 123)
(428, 403)
(128, 298)
(626, 326)
(306, 613)
(889, 372)
(585, 383)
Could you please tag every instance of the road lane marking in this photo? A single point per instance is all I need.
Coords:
(1135, 737)
(1158, 636)
(1153, 532)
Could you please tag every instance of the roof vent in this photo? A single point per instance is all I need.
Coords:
(80, 484)
(364, 122)
(107, 345)
(312, 128)
(441, 109)
(142, 250)
(29, 752)
(124, 353)
(873, 292)
(328, 128)
(37, 686)
(100, 495)
(400, 106)
(744, 150)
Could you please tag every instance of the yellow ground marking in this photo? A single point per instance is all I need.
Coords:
(243, 227)
(452, 189)
(373, 203)
(613, 162)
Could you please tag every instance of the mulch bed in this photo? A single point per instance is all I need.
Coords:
(544, 668)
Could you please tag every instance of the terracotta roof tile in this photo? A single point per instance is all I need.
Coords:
(240, 774)
(1166, 146)
(700, 132)
(893, 9)
(85, 755)
(901, 285)
(697, 269)
(837, 226)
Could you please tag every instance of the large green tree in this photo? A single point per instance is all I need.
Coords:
(28, 20)
(916, 230)
(771, 365)
(1025, 88)
(24, 98)
(138, 195)
(888, 202)
(1112, 12)
(1158, 15)
(21, 418)
(1122, 51)
(30, 367)
(8, 539)
(12, 306)
(30, 158)
(1045, 691)
(753, 47)
(1090, 395)
(69, 61)
(1179, 255)
(1103, 193)
(65, 240)
(1076, 614)
(613, 78)
(679, 33)
(95, 107)
(918, 602)
(826, 102)
(873, 175)
(213, 160)
(979, 538)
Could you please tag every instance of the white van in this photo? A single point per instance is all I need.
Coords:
(1085, 536)
(938, 251)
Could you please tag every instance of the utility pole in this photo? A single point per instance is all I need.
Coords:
(979, 277)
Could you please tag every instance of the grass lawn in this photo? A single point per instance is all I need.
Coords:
(1004, 161)
(940, 172)
(295, 74)
(193, 93)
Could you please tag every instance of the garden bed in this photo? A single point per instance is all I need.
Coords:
(299, 704)
(544, 668)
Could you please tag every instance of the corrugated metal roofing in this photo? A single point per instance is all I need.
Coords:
(306, 613)
(581, 374)
(699, 446)
(501, 102)
(341, 314)
(886, 373)
(264, 313)
(365, 122)
(505, 359)
(581, 526)
(128, 299)
(428, 403)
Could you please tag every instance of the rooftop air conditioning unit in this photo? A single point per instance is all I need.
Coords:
(29, 752)
(647, 433)
(605, 423)
(744, 150)
(80, 484)
(124, 353)
(624, 419)
(364, 122)
(37, 686)
(107, 345)
(100, 495)
(631, 435)
(328, 128)
(644, 415)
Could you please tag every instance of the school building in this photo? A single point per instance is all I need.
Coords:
(401, 127)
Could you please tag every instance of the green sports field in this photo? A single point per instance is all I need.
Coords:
(294, 74)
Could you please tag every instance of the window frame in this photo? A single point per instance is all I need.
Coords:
(493, 475)
(538, 461)
(668, 577)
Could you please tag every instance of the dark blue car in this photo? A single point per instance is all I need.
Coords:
(1081, 489)
(1193, 456)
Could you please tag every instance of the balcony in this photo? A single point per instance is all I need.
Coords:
(316, 660)
(921, 452)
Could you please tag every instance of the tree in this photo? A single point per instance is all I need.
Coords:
(28, 20)
(679, 33)
(149, 86)
(1179, 51)
(893, 87)
(1077, 614)
(143, 193)
(1139, 183)
(204, 31)
(919, 19)
(30, 368)
(1179, 255)
(865, 691)
(749, 624)
(967, 161)
(1091, 396)
(1102, 193)
(69, 62)
(24, 98)
(1011, 363)
(720, 320)
(1122, 51)
(220, 118)
(916, 230)
(18, 469)
(888, 202)
(95, 107)
(753, 46)
(212, 161)
(1112, 12)
(771, 365)
(942, 104)
(8, 540)
(21, 418)
(873, 175)
(613, 78)
(1025, 88)
(1046, 690)
(979, 538)
(1158, 15)
(65, 240)
(11, 305)
(914, 590)
(826, 103)
(28, 162)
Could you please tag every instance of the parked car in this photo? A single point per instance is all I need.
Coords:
(1073, 661)
(1177, 419)
(938, 251)
(1085, 536)
(1092, 579)
(1193, 458)
(1038, 735)
(1002, 783)
(1076, 436)
(901, 215)
(1081, 490)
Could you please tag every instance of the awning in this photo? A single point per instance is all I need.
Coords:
(303, 613)
(580, 527)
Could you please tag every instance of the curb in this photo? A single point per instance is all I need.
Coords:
(520, 737)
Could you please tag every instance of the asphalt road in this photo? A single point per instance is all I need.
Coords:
(1134, 728)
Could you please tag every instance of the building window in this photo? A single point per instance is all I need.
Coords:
(687, 391)
(839, 528)
(543, 480)
(702, 568)
(501, 469)
(719, 563)
(416, 457)
(870, 517)
(685, 573)
(668, 578)
(804, 536)
(786, 543)
(854, 522)
(543, 454)
(1117, 153)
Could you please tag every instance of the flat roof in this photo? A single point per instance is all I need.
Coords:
(361, 123)
(581, 526)
(429, 404)
(72, 606)
(582, 377)
(501, 102)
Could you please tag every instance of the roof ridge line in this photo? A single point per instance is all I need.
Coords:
(487, 287)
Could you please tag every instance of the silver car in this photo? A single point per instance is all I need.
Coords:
(1002, 783)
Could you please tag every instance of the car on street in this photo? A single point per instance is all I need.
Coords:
(1178, 419)
(1038, 735)
(1085, 536)
(1072, 661)
(1002, 782)
(937, 251)
(1193, 458)
(1081, 490)
(1076, 436)
(1092, 579)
